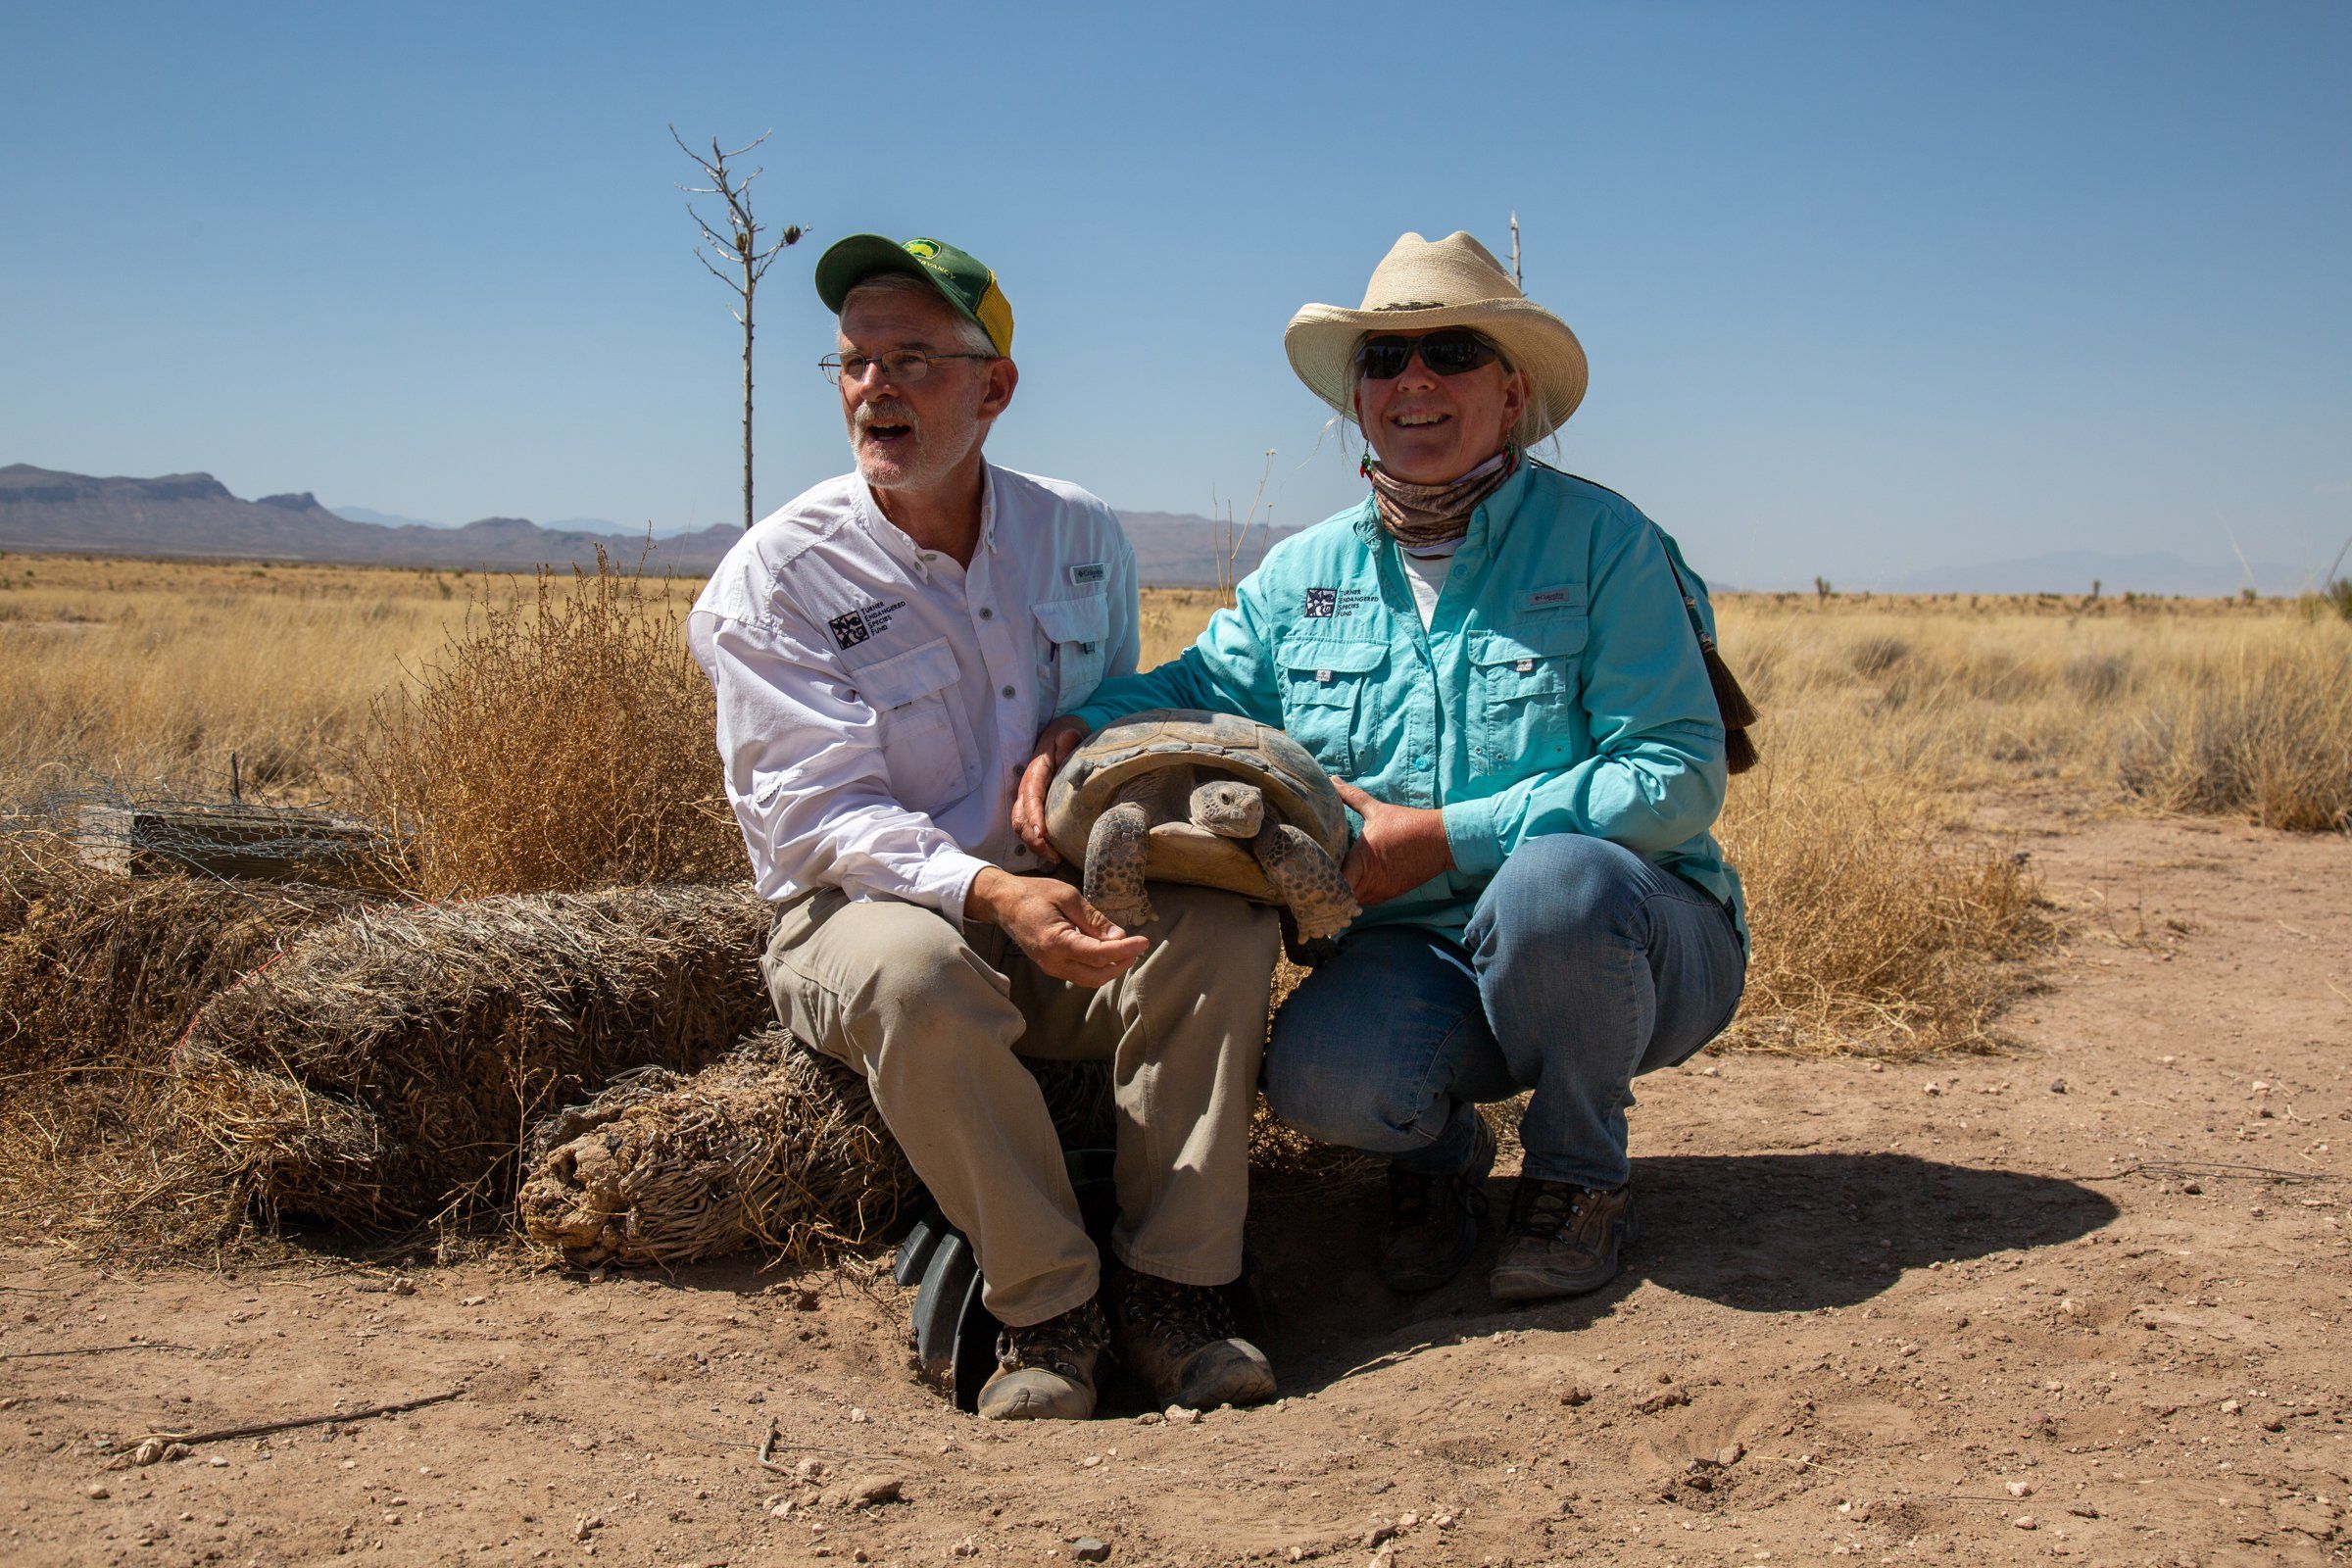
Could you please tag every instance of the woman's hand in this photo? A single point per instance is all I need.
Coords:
(1054, 743)
(1401, 847)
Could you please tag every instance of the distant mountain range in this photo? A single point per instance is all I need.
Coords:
(2072, 572)
(194, 516)
(393, 520)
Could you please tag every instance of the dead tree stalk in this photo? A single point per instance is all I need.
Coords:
(739, 249)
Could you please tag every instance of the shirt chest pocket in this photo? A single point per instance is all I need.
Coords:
(1529, 692)
(1073, 645)
(1326, 702)
(926, 737)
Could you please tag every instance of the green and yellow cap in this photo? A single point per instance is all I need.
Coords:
(960, 280)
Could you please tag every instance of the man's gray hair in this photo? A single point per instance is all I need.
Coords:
(970, 335)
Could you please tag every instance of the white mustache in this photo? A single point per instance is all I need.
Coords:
(889, 410)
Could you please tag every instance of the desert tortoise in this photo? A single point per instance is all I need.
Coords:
(1180, 794)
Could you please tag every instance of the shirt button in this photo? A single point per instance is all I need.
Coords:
(987, 614)
(1006, 693)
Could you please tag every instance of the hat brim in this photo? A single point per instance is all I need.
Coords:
(850, 262)
(1321, 342)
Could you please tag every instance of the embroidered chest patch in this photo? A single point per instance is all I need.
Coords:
(870, 619)
(1324, 604)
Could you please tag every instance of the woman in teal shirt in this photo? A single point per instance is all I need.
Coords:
(1501, 666)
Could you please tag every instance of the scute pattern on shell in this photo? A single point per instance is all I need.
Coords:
(1258, 752)
(1296, 789)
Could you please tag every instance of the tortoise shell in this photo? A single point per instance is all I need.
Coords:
(1296, 789)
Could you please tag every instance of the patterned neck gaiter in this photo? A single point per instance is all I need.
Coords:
(1418, 515)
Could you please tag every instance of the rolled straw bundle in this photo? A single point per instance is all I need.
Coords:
(385, 1069)
(774, 1147)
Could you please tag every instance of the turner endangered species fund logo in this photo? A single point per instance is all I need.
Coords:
(854, 626)
(1322, 603)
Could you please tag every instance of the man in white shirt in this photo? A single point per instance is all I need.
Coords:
(885, 648)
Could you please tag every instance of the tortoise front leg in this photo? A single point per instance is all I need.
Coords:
(1114, 863)
(1309, 882)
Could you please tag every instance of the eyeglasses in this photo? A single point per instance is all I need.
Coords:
(1450, 351)
(903, 366)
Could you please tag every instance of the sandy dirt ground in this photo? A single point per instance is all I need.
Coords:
(2082, 1302)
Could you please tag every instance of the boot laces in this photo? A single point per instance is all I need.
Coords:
(1547, 1209)
(1184, 1317)
(1057, 1345)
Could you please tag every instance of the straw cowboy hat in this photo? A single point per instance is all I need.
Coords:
(1423, 284)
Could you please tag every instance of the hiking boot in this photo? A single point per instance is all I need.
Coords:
(1562, 1240)
(1045, 1371)
(1434, 1220)
(1180, 1338)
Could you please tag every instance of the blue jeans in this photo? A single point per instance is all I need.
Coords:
(1582, 965)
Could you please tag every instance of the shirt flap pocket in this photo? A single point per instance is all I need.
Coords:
(1316, 665)
(1075, 621)
(1530, 641)
(1316, 655)
(899, 679)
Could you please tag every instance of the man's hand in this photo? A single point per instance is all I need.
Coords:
(1401, 847)
(1064, 935)
(1054, 743)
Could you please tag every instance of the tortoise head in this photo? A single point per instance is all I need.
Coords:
(1229, 808)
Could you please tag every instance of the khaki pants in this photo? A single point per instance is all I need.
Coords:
(933, 1015)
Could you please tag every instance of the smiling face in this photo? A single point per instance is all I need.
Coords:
(918, 438)
(1429, 429)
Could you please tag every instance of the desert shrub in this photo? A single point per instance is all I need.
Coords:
(1876, 931)
(2337, 596)
(563, 741)
(2266, 735)
(98, 969)
(1873, 656)
(99, 974)
(2097, 677)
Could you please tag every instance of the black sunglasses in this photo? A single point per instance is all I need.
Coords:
(1448, 352)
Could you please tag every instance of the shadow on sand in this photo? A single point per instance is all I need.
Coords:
(1757, 1233)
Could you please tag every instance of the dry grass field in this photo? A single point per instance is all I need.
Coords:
(545, 735)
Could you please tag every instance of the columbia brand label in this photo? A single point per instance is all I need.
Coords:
(866, 620)
(1554, 598)
(1089, 571)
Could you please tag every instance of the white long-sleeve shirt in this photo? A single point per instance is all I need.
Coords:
(877, 701)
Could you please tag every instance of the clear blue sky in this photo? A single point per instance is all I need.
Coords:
(1865, 287)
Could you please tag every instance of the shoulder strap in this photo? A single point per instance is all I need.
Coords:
(1731, 704)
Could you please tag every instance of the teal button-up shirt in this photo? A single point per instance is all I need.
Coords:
(1557, 688)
